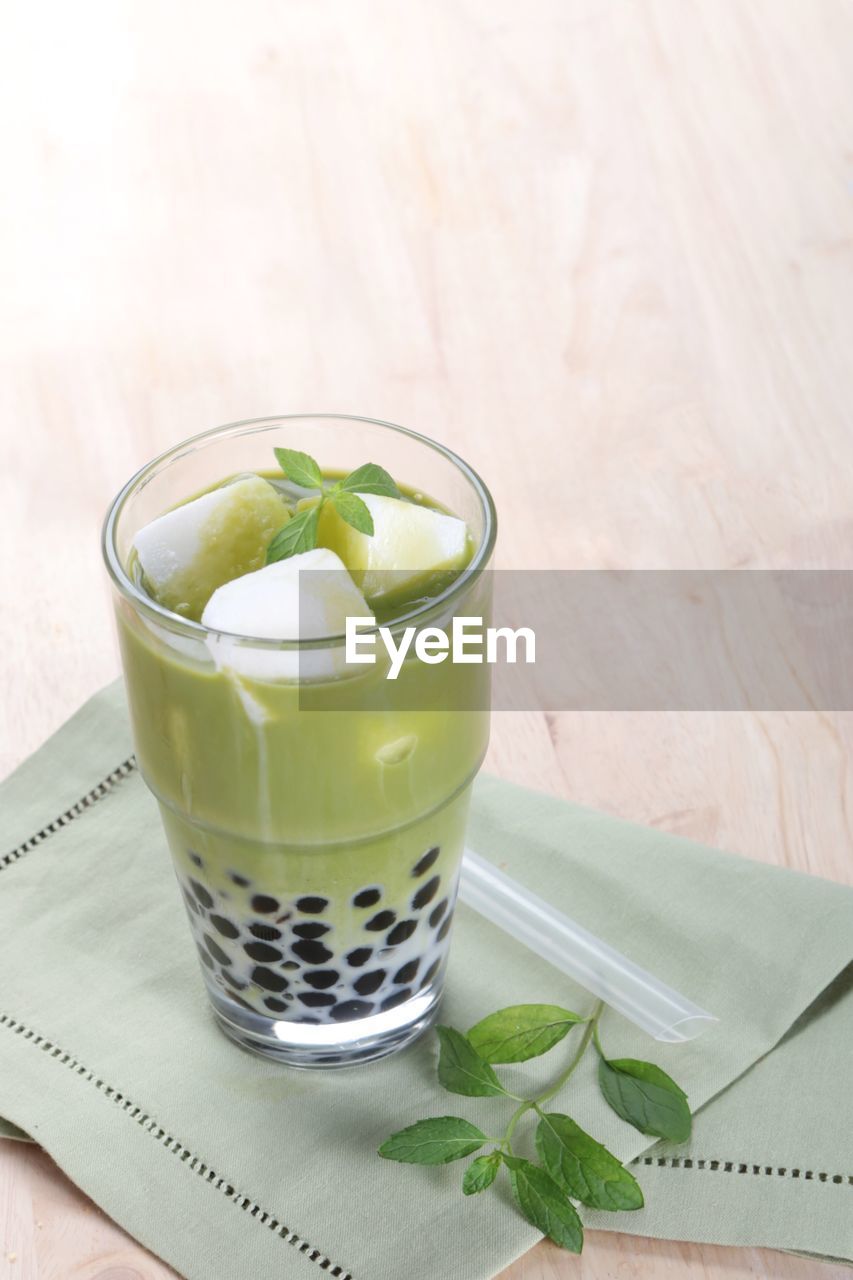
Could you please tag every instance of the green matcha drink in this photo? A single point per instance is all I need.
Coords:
(315, 811)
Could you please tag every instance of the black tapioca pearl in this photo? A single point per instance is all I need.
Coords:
(286, 916)
(266, 932)
(407, 972)
(437, 912)
(444, 930)
(399, 997)
(232, 981)
(262, 951)
(367, 898)
(201, 894)
(401, 932)
(268, 980)
(423, 865)
(348, 1009)
(426, 893)
(275, 1005)
(311, 951)
(288, 964)
(196, 858)
(205, 958)
(316, 999)
(369, 982)
(360, 956)
(225, 927)
(264, 904)
(312, 906)
(238, 879)
(312, 930)
(382, 920)
(430, 973)
(190, 901)
(216, 951)
(244, 1004)
(321, 978)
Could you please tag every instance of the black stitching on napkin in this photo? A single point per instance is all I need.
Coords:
(124, 770)
(177, 1148)
(731, 1166)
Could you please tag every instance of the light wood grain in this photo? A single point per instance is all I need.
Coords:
(604, 249)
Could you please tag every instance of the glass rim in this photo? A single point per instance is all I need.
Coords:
(248, 426)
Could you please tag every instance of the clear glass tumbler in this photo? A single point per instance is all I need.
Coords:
(317, 841)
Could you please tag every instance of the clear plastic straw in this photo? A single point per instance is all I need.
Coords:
(630, 990)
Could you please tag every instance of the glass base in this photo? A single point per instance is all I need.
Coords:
(344, 1044)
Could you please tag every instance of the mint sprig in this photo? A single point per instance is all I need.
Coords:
(300, 533)
(573, 1166)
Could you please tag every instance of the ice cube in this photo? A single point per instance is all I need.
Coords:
(190, 551)
(409, 544)
(271, 604)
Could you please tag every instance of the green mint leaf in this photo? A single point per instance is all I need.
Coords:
(299, 534)
(646, 1097)
(481, 1173)
(523, 1031)
(583, 1167)
(544, 1204)
(300, 468)
(351, 508)
(460, 1070)
(371, 479)
(435, 1141)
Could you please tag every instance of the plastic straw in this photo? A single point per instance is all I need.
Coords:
(623, 985)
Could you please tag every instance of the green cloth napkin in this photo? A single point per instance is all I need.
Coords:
(230, 1167)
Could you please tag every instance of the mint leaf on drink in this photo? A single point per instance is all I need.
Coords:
(299, 467)
(298, 535)
(583, 1167)
(545, 1204)
(646, 1097)
(435, 1141)
(481, 1173)
(521, 1032)
(460, 1070)
(351, 508)
(371, 479)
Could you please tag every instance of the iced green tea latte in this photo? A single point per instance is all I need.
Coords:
(315, 810)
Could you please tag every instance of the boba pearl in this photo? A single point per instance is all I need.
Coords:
(321, 978)
(401, 932)
(316, 999)
(382, 920)
(239, 880)
(225, 927)
(437, 912)
(444, 930)
(312, 906)
(399, 997)
(276, 1005)
(268, 980)
(426, 893)
(407, 972)
(360, 956)
(314, 930)
(264, 904)
(196, 858)
(422, 867)
(201, 893)
(266, 932)
(368, 982)
(190, 901)
(367, 898)
(348, 1009)
(205, 958)
(216, 951)
(311, 952)
(430, 974)
(262, 951)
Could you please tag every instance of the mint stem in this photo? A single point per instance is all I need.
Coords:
(533, 1104)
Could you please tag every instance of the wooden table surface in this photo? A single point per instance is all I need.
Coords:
(603, 248)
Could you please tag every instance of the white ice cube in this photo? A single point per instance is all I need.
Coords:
(272, 604)
(188, 552)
